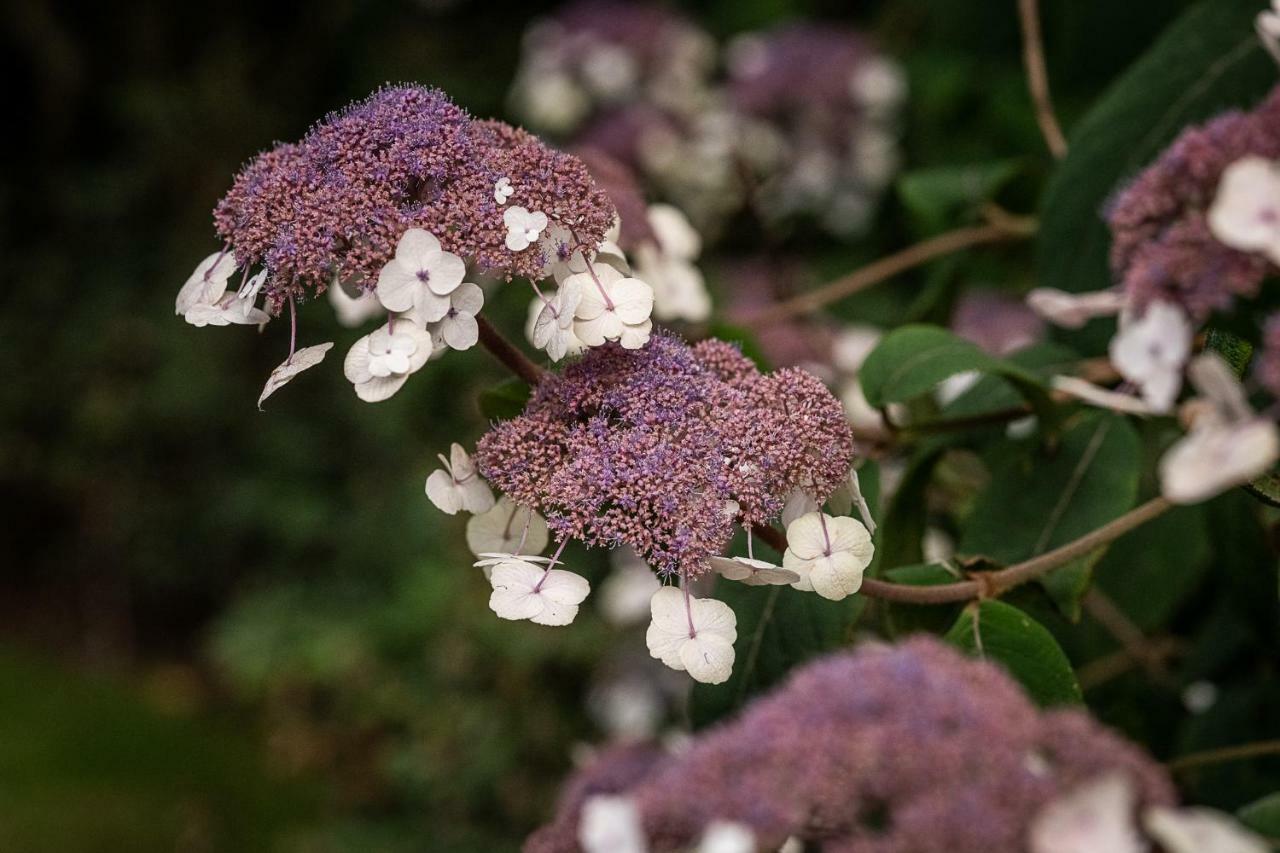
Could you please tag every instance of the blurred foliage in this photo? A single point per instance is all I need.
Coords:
(156, 519)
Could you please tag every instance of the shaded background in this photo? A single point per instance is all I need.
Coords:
(228, 630)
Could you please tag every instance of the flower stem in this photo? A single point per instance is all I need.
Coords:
(1038, 77)
(1226, 753)
(505, 352)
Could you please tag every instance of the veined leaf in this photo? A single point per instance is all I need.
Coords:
(999, 632)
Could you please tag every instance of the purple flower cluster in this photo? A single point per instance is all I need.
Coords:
(649, 447)
(879, 750)
(334, 205)
(1162, 247)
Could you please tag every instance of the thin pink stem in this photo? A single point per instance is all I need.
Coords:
(555, 559)
(688, 606)
(293, 329)
(822, 519)
(591, 269)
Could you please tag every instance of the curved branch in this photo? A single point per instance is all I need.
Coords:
(1038, 77)
(503, 350)
(995, 584)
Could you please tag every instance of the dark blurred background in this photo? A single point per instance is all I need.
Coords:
(229, 630)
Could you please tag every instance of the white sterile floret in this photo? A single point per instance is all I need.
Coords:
(502, 190)
(1096, 818)
(852, 345)
(752, 572)
(353, 307)
(626, 592)
(830, 554)
(207, 284)
(458, 486)
(612, 308)
(1150, 352)
(679, 289)
(696, 635)
(724, 836)
(303, 359)
(1073, 310)
(1268, 26)
(458, 328)
(553, 326)
(524, 590)
(565, 256)
(507, 528)
(1200, 830)
(799, 503)
(1228, 445)
(878, 85)
(611, 824)
(420, 277)
(227, 310)
(1245, 214)
(252, 286)
(523, 227)
(1086, 391)
(381, 362)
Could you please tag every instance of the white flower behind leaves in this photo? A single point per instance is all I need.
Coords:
(697, 638)
(1097, 818)
(616, 308)
(420, 277)
(458, 328)
(830, 554)
(352, 306)
(1073, 310)
(523, 227)
(524, 590)
(752, 572)
(303, 359)
(506, 527)
(611, 824)
(1245, 214)
(553, 326)
(1200, 830)
(1228, 445)
(458, 485)
(667, 265)
(207, 284)
(381, 362)
(1150, 352)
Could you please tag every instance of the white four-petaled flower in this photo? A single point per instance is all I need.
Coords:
(612, 308)
(458, 328)
(303, 359)
(420, 277)
(507, 528)
(207, 284)
(1097, 818)
(381, 362)
(611, 824)
(502, 190)
(693, 634)
(458, 485)
(666, 264)
(1245, 214)
(523, 227)
(751, 571)
(1073, 310)
(1228, 445)
(1150, 352)
(553, 327)
(1200, 830)
(522, 589)
(830, 554)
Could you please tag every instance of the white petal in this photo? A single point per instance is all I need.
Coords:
(443, 492)
(708, 658)
(305, 358)
(1086, 391)
(467, 299)
(398, 286)
(635, 337)
(591, 304)
(356, 365)
(727, 837)
(1213, 458)
(594, 332)
(460, 332)
(1200, 830)
(207, 283)
(1073, 310)
(675, 234)
(415, 246)
(632, 300)
(475, 495)
(848, 535)
(445, 271)
(1097, 818)
(799, 503)
(563, 587)
(380, 388)
(1246, 211)
(502, 526)
(807, 537)
(837, 576)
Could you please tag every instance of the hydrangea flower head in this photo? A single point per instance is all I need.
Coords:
(335, 205)
(645, 448)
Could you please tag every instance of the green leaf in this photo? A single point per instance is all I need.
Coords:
(779, 628)
(999, 632)
(1152, 571)
(1235, 351)
(505, 400)
(1038, 501)
(1263, 816)
(912, 360)
(1209, 60)
(936, 196)
(992, 393)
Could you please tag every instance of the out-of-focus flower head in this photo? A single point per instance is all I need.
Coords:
(1163, 247)
(595, 54)
(997, 322)
(831, 102)
(646, 448)
(335, 205)
(913, 747)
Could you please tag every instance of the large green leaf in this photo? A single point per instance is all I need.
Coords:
(999, 632)
(1044, 498)
(1207, 61)
(910, 361)
(779, 628)
(505, 400)
(1263, 816)
(937, 195)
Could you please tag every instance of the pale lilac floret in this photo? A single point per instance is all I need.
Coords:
(1162, 246)
(878, 750)
(646, 447)
(334, 205)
